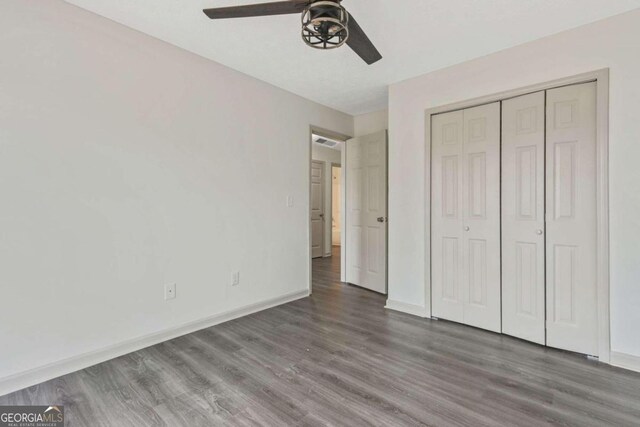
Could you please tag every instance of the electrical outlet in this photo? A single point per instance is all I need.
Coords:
(235, 278)
(169, 291)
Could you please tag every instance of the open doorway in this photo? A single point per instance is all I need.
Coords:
(348, 229)
(326, 210)
(326, 158)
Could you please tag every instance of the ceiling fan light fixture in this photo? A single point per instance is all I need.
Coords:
(325, 25)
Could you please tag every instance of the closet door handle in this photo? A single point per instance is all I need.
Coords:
(539, 232)
(467, 228)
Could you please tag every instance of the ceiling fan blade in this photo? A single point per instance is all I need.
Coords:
(360, 43)
(260, 9)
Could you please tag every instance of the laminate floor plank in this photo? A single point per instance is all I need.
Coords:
(339, 358)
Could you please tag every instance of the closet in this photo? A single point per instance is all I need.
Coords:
(513, 217)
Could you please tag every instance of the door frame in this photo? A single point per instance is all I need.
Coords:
(601, 77)
(317, 130)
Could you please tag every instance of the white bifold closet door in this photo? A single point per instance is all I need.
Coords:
(523, 240)
(549, 291)
(466, 216)
(571, 219)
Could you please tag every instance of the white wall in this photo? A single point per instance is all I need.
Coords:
(610, 43)
(328, 156)
(366, 124)
(127, 163)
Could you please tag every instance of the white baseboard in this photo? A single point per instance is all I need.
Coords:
(75, 363)
(626, 361)
(415, 310)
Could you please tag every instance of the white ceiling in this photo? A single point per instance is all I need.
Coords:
(414, 36)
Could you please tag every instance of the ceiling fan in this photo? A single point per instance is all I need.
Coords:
(325, 23)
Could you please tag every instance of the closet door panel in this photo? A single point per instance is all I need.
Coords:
(571, 298)
(481, 217)
(523, 240)
(446, 215)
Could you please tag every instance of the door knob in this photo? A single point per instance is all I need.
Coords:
(467, 228)
(382, 219)
(539, 232)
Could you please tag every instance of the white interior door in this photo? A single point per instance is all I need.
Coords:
(523, 240)
(466, 216)
(571, 219)
(317, 209)
(446, 215)
(481, 207)
(366, 211)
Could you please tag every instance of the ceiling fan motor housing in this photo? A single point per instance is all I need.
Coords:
(325, 25)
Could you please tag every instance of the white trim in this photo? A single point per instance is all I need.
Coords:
(626, 361)
(403, 307)
(343, 214)
(427, 214)
(602, 215)
(602, 202)
(75, 363)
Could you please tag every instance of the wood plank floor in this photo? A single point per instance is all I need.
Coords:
(340, 358)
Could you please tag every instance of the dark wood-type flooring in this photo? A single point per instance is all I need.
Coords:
(340, 358)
